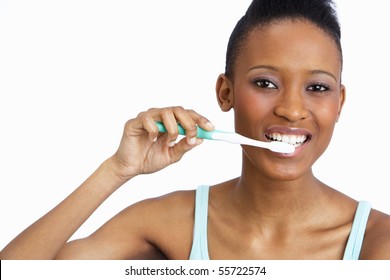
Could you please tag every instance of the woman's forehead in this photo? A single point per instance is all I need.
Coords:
(290, 44)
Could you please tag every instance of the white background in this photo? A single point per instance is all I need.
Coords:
(72, 72)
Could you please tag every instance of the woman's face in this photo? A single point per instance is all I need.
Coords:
(287, 86)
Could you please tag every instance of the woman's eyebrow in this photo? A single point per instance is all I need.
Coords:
(313, 72)
(268, 67)
(323, 72)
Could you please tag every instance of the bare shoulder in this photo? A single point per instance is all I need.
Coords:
(167, 207)
(166, 222)
(376, 244)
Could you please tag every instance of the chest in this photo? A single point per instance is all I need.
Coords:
(226, 242)
(238, 241)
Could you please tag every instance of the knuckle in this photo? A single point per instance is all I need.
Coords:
(191, 129)
(178, 108)
(151, 109)
(141, 114)
(128, 125)
(191, 112)
(143, 118)
(166, 111)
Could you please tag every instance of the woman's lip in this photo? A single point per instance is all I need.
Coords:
(287, 130)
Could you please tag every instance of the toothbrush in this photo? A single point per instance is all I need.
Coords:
(235, 138)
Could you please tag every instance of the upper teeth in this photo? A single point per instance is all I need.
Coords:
(295, 140)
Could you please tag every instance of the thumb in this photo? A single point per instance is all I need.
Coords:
(183, 147)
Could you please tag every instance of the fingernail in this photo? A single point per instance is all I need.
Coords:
(154, 139)
(209, 124)
(171, 144)
(192, 141)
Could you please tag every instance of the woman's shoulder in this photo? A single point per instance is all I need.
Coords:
(173, 201)
(166, 222)
(377, 237)
(167, 207)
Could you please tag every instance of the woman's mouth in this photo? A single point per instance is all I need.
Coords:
(292, 139)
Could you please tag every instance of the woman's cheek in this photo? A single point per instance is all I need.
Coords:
(249, 108)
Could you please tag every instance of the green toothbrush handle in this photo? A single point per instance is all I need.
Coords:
(201, 133)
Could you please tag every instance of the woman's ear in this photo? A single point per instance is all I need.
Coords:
(224, 91)
(342, 101)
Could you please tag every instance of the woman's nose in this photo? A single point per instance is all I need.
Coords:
(292, 106)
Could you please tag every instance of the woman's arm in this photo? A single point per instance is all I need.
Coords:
(142, 150)
(45, 238)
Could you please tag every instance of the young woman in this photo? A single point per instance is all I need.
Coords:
(283, 81)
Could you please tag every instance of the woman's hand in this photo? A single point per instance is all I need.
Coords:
(144, 150)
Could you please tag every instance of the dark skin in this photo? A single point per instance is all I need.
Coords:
(287, 78)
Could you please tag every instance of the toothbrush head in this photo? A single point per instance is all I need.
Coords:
(281, 147)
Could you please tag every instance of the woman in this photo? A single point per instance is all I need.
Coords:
(283, 81)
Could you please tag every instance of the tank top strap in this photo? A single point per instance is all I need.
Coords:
(356, 236)
(199, 250)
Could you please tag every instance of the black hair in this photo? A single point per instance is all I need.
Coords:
(322, 13)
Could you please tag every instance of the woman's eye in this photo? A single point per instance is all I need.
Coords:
(263, 83)
(318, 87)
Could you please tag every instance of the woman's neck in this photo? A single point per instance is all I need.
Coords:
(264, 200)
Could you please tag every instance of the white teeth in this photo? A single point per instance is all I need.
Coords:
(295, 140)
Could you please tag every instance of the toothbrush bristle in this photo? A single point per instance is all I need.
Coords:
(281, 147)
